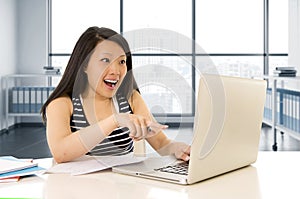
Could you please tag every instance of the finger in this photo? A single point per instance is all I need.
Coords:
(139, 132)
(144, 130)
(143, 126)
(154, 127)
(188, 150)
(181, 155)
(132, 130)
(137, 139)
(185, 157)
(140, 126)
(184, 147)
(158, 125)
(182, 152)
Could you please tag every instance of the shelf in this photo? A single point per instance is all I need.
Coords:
(290, 132)
(285, 108)
(268, 122)
(23, 114)
(26, 93)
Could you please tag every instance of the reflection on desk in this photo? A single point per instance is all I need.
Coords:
(272, 176)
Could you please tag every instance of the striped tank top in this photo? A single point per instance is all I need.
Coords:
(118, 142)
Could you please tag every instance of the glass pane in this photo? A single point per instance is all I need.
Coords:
(278, 27)
(173, 15)
(231, 26)
(239, 66)
(165, 83)
(160, 41)
(70, 18)
(60, 61)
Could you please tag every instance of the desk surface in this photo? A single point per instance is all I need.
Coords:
(274, 175)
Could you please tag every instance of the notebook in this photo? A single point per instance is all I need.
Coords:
(226, 132)
(10, 164)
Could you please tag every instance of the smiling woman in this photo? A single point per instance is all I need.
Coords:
(96, 108)
(106, 69)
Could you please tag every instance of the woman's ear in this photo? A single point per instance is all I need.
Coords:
(85, 69)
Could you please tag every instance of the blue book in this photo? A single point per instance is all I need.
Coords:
(21, 171)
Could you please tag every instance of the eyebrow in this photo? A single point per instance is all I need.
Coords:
(112, 54)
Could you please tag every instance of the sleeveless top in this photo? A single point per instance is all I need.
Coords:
(118, 142)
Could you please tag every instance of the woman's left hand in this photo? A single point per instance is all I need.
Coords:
(181, 151)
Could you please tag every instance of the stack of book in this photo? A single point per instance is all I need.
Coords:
(285, 71)
(50, 70)
(12, 169)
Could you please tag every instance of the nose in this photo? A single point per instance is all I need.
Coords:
(114, 68)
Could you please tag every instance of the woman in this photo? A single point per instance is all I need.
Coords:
(96, 108)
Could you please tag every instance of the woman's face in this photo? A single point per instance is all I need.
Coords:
(106, 69)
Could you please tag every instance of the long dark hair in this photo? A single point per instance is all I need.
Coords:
(74, 76)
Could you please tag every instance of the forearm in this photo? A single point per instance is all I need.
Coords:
(80, 142)
(67, 148)
(166, 148)
(94, 134)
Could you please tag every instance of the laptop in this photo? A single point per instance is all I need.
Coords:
(226, 133)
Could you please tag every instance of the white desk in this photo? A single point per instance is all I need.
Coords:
(274, 175)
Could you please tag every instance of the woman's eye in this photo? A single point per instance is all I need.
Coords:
(105, 60)
(123, 62)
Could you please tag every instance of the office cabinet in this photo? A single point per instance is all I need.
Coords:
(26, 93)
(282, 107)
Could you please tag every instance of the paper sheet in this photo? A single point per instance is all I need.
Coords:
(89, 164)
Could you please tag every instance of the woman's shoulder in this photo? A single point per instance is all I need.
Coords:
(63, 98)
(59, 107)
(61, 102)
(136, 100)
(135, 96)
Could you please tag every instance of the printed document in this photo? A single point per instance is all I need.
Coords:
(89, 164)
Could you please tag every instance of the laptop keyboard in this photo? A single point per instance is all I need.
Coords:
(180, 168)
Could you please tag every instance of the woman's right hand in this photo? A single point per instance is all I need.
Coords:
(139, 126)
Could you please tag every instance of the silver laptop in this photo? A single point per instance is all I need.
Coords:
(226, 136)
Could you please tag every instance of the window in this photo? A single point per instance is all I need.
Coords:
(165, 83)
(172, 15)
(278, 34)
(239, 66)
(278, 26)
(70, 18)
(229, 26)
(231, 33)
(163, 74)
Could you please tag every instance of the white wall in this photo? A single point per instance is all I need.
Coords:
(294, 37)
(32, 40)
(8, 49)
(32, 36)
(294, 33)
(23, 39)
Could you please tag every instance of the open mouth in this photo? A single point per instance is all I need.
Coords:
(110, 83)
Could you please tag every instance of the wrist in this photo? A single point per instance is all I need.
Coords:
(167, 148)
